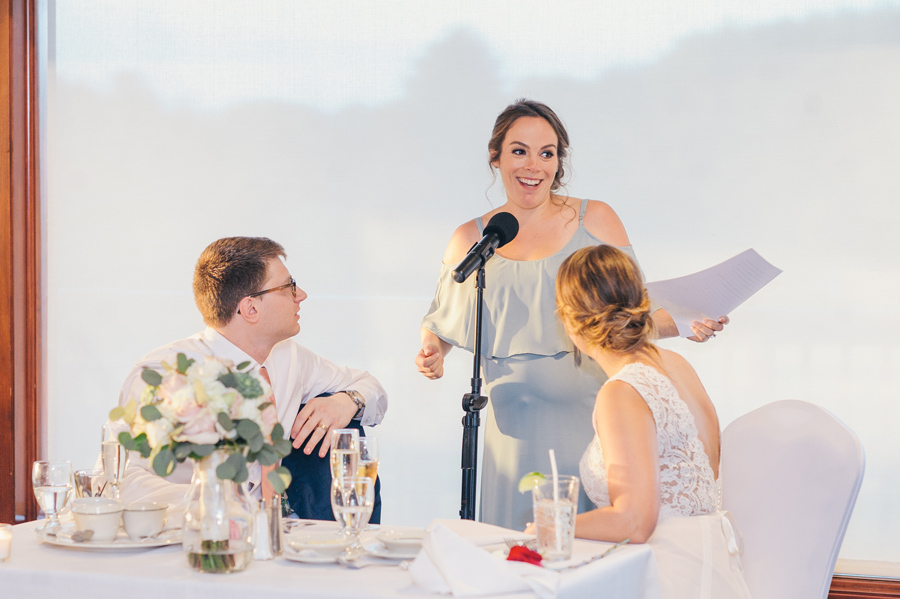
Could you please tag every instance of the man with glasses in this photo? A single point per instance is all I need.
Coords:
(250, 304)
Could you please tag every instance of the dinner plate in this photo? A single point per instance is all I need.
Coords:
(379, 550)
(167, 537)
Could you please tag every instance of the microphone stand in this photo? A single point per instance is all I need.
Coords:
(472, 404)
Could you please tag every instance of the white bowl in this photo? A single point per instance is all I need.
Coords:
(144, 519)
(324, 543)
(99, 514)
(401, 539)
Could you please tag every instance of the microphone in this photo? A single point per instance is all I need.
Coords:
(500, 230)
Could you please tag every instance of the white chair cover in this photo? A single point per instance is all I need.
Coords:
(790, 475)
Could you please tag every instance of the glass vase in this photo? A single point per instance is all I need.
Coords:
(218, 524)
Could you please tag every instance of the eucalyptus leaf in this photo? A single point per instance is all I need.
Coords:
(243, 365)
(242, 475)
(164, 462)
(183, 450)
(229, 380)
(233, 468)
(126, 441)
(150, 413)
(184, 363)
(151, 377)
(282, 446)
(247, 429)
(225, 422)
(280, 479)
(277, 431)
(201, 451)
(226, 471)
(267, 455)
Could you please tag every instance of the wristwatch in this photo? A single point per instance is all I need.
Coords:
(359, 400)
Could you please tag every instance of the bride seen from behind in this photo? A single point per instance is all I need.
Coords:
(652, 467)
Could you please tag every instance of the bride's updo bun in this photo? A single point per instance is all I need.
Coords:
(600, 297)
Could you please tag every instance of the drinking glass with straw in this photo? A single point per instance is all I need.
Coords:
(555, 504)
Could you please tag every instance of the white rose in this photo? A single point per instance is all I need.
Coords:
(158, 432)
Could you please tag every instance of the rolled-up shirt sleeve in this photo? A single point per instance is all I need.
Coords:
(304, 374)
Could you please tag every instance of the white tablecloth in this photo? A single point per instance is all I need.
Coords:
(37, 569)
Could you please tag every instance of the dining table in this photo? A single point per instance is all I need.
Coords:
(38, 568)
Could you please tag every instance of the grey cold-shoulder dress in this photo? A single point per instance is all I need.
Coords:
(537, 397)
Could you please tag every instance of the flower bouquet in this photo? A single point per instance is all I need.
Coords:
(221, 417)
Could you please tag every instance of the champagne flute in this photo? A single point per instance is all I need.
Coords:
(115, 459)
(352, 502)
(52, 483)
(368, 464)
(368, 457)
(344, 454)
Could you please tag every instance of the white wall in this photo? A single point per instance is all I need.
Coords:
(357, 138)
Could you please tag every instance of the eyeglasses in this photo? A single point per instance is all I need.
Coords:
(292, 285)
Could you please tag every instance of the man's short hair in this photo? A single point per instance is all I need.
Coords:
(229, 270)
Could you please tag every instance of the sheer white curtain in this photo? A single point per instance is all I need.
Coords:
(355, 134)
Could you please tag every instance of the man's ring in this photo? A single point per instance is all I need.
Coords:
(324, 427)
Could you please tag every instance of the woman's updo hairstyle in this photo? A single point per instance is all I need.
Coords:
(522, 108)
(600, 297)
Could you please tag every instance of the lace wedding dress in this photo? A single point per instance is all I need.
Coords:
(694, 542)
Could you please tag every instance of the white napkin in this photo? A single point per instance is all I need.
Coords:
(451, 565)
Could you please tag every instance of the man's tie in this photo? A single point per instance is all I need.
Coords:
(267, 489)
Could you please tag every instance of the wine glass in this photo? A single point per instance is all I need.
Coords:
(352, 502)
(344, 454)
(52, 482)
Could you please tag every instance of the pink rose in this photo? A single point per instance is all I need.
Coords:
(269, 417)
(236, 406)
(170, 385)
(201, 430)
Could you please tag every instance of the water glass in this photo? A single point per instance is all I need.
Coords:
(52, 482)
(554, 517)
(344, 453)
(352, 502)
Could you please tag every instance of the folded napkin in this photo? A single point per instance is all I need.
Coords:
(451, 565)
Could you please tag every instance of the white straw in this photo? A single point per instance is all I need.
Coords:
(555, 476)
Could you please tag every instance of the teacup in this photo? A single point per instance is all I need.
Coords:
(98, 514)
(144, 519)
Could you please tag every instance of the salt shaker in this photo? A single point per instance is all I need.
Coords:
(267, 528)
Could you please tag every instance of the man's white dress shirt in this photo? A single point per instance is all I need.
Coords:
(297, 375)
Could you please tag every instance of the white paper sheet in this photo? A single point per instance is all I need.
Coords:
(713, 292)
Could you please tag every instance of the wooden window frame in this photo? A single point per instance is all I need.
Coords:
(21, 315)
(22, 358)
